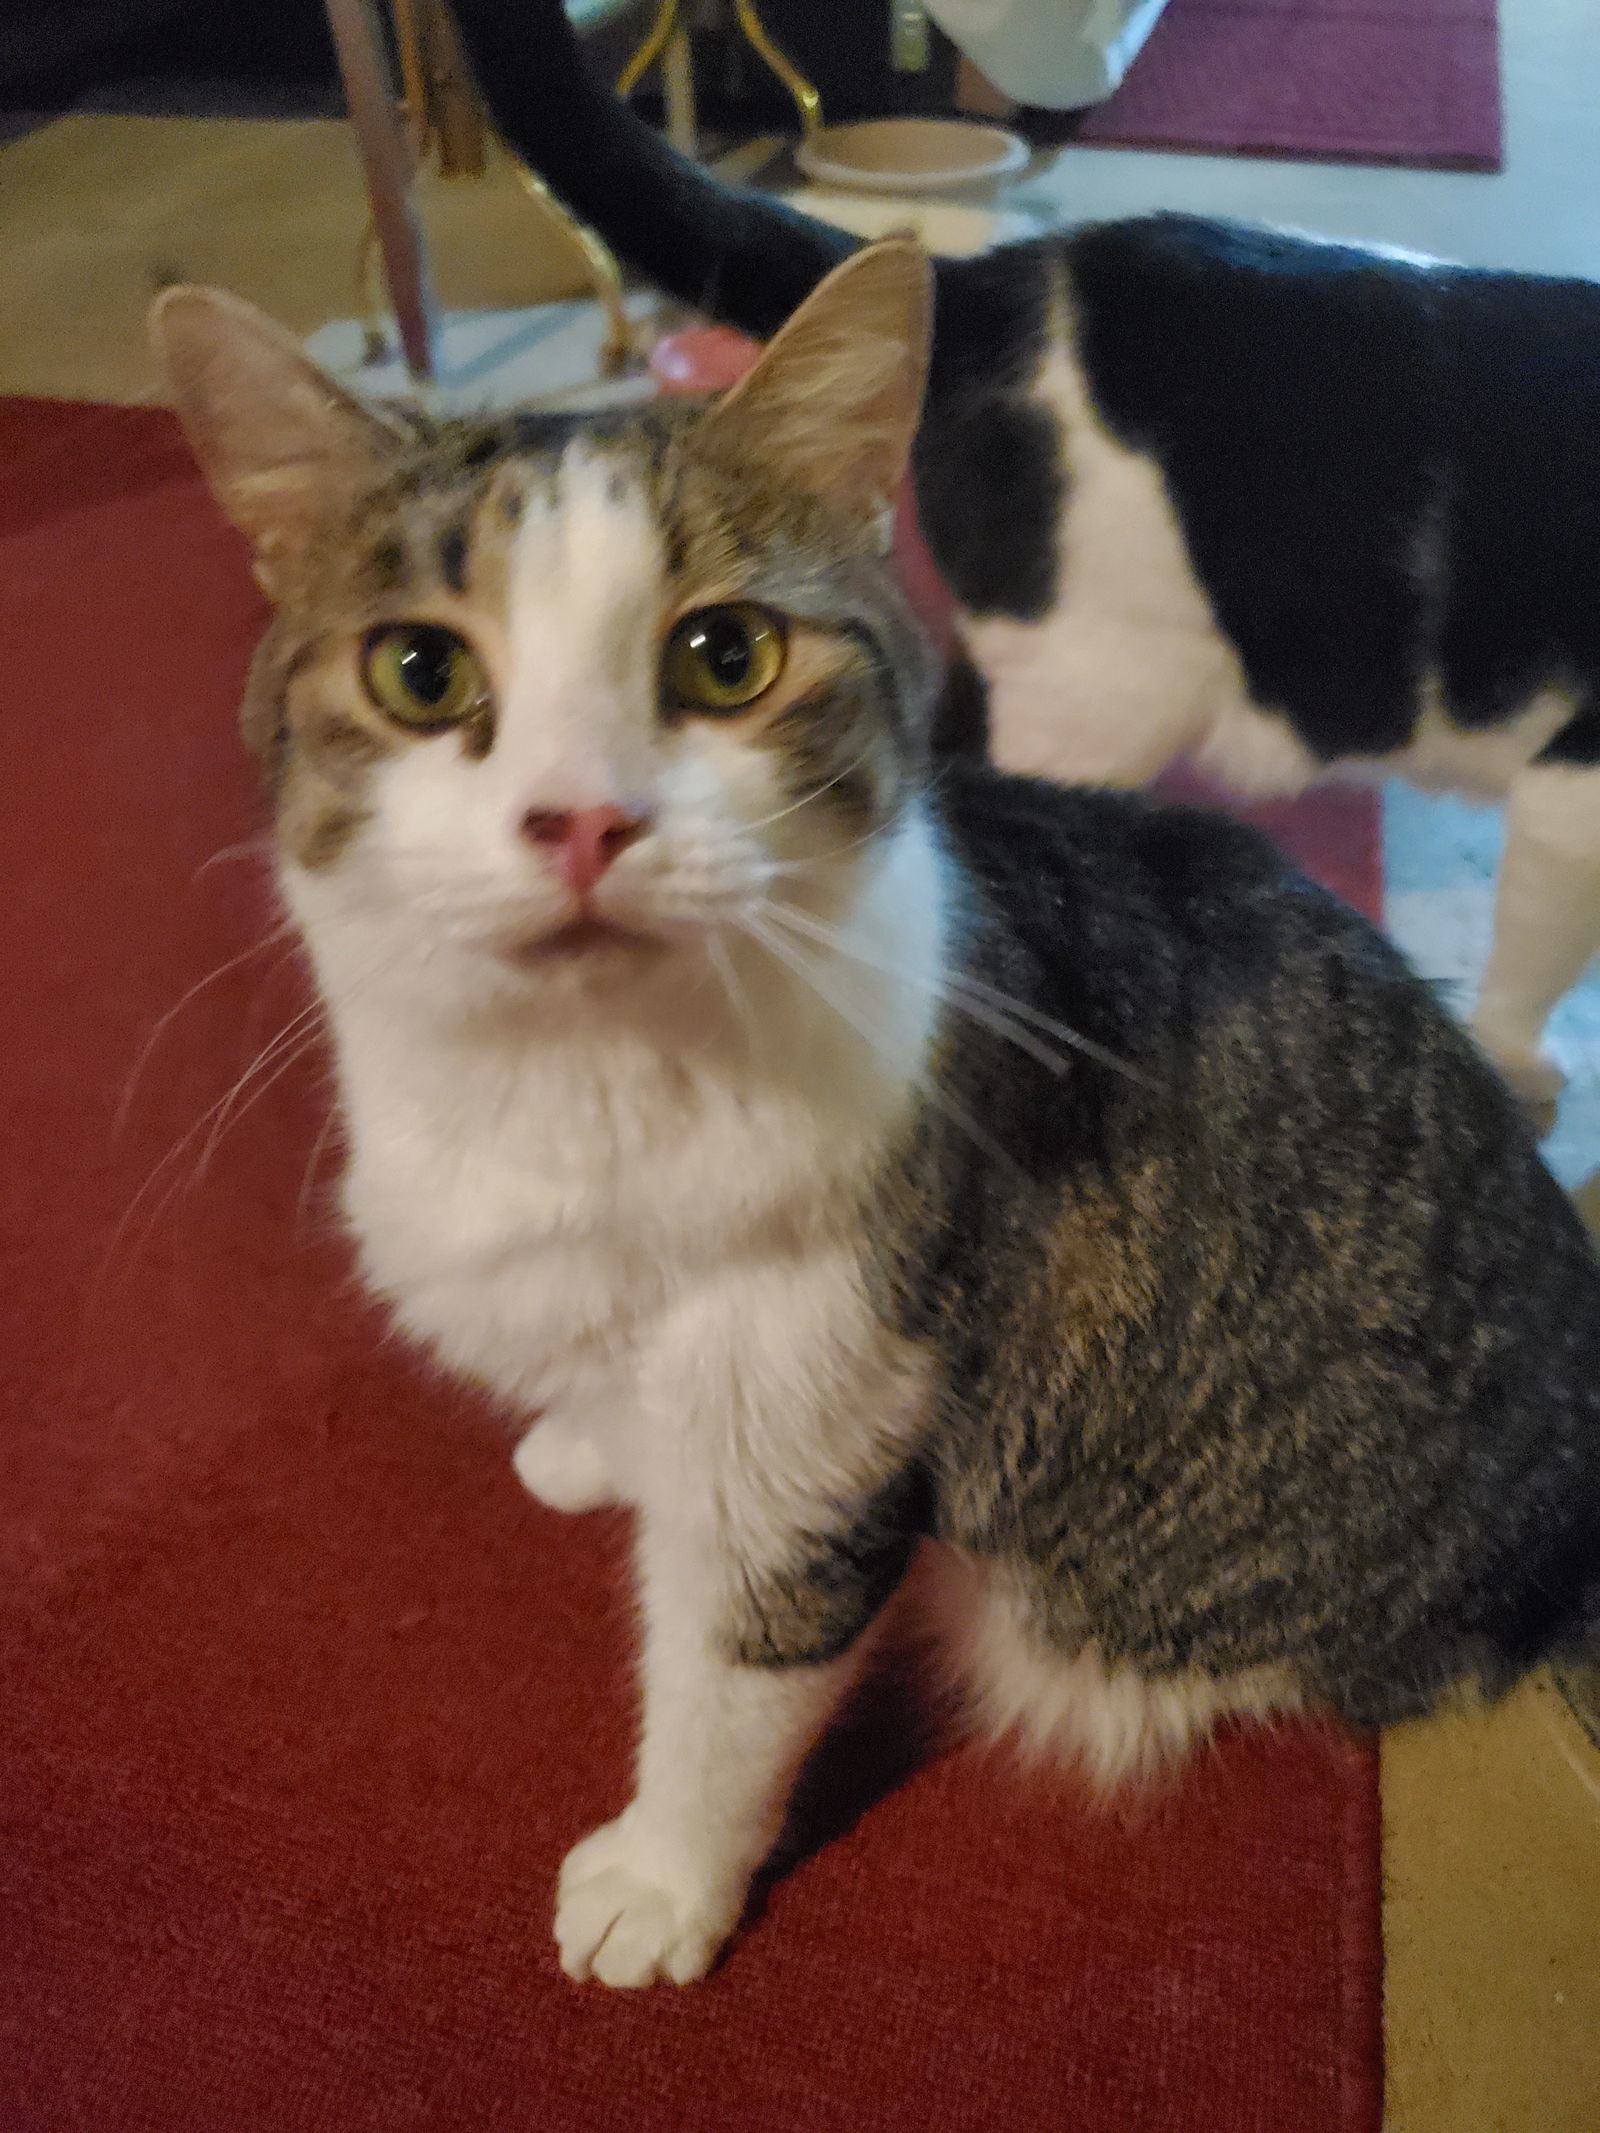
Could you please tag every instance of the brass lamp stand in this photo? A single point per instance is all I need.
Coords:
(668, 41)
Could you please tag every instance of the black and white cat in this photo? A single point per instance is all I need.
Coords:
(1283, 506)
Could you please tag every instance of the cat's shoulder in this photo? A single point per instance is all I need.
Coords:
(1111, 891)
(1115, 842)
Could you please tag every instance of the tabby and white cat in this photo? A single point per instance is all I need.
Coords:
(842, 1159)
(1283, 506)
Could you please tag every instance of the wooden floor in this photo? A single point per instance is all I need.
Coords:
(97, 214)
(1492, 1921)
(1492, 1822)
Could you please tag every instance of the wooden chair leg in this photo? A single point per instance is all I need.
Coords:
(387, 163)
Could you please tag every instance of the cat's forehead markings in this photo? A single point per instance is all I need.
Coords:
(590, 511)
(452, 552)
(388, 560)
(483, 450)
(584, 570)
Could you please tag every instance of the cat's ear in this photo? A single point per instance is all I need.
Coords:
(832, 404)
(281, 445)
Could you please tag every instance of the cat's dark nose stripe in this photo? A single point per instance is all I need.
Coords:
(582, 842)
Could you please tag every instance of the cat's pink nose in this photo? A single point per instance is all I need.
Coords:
(582, 842)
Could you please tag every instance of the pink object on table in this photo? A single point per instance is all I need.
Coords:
(702, 359)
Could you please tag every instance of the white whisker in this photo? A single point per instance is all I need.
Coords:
(174, 1155)
(799, 869)
(787, 952)
(805, 799)
(220, 1113)
(722, 963)
(984, 1004)
(253, 848)
(308, 1176)
(297, 1040)
(120, 1120)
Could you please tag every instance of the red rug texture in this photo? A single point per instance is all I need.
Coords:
(304, 1698)
(1377, 81)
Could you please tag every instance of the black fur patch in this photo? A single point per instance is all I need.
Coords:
(961, 714)
(990, 486)
(990, 492)
(1578, 742)
(389, 565)
(1375, 465)
(1288, 391)
(1522, 585)
(747, 260)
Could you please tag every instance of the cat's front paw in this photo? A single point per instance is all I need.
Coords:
(563, 1467)
(628, 1915)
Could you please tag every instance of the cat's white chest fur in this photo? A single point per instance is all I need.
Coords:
(533, 1196)
(524, 1208)
(496, 1212)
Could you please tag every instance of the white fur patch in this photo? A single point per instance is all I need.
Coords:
(1479, 762)
(1115, 1726)
(1128, 669)
(577, 723)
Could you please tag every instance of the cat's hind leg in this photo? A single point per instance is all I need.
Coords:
(1546, 922)
(1112, 1724)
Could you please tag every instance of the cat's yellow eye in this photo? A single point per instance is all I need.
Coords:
(722, 658)
(424, 676)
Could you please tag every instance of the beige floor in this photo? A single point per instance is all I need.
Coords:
(96, 214)
(1492, 1822)
(1492, 1921)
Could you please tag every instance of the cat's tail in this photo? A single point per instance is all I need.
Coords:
(743, 258)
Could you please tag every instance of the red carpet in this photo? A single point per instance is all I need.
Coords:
(304, 1699)
(1381, 81)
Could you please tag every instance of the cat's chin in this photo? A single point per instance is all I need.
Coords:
(582, 942)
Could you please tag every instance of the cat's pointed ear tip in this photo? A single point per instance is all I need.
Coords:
(899, 263)
(902, 249)
(189, 312)
(170, 308)
(182, 322)
(184, 299)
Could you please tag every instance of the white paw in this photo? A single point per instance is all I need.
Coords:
(563, 1467)
(628, 1916)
